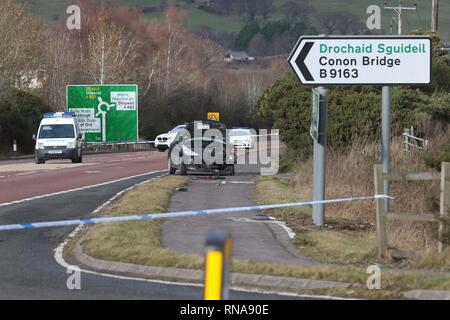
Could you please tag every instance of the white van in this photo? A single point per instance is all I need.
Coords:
(58, 137)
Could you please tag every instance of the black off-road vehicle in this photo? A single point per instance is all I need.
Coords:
(203, 147)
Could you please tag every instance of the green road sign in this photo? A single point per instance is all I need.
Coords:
(105, 113)
(315, 115)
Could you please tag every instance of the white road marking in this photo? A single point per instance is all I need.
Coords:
(59, 252)
(224, 182)
(283, 225)
(25, 173)
(77, 189)
(238, 182)
(98, 171)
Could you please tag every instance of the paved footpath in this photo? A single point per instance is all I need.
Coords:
(253, 238)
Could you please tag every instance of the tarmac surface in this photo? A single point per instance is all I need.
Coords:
(28, 269)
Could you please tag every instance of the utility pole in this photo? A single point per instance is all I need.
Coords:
(434, 15)
(399, 10)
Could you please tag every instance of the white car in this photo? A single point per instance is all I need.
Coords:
(242, 138)
(163, 141)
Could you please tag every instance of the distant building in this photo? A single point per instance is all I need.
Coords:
(32, 80)
(238, 56)
(38, 80)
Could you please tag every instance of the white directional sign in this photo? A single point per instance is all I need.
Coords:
(347, 60)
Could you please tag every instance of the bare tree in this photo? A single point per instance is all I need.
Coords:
(329, 21)
(340, 22)
(62, 61)
(265, 8)
(297, 11)
(110, 51)
(349, 23)
(20, 45)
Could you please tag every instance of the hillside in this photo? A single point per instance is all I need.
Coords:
(53, 9)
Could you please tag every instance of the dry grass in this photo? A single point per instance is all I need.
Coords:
(139, 242)
(351, 174)
(347, 242)
(343, 240)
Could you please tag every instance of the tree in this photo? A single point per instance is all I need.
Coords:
(62, 62)
(110, 51)
(352, 112)
(295, 11)
(349, 23)
(265, 8)
(329, 21)
(225, 6)
(246, 34)
(20, 46)
(340, 22)
(251, 8)
(21, 112)
(258, 45)
(275, 28)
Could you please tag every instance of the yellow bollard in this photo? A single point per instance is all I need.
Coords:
(219, 247)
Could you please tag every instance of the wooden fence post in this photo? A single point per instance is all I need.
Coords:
(381, 218)
(406, 140)
(444, 203)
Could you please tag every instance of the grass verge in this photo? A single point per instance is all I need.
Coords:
(140, 243)
(344, 241)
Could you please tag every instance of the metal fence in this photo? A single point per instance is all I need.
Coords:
(115, 146)
(410, 141)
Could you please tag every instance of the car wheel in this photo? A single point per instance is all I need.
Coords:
(183, 170)
(38, 161)
(172, 170)
(77, 159)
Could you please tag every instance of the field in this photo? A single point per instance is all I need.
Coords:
(53, 9)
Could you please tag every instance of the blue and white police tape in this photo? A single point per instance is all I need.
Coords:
(64, 223)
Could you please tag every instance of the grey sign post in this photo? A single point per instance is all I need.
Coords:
(319, 121)
(386, 138)
(358, 60)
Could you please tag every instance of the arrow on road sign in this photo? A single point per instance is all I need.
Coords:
(301, 61)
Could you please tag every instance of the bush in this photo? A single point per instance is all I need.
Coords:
(440, 66)
(352, 112)
(439, 108)
(272, 29)
(21, 113)
(435, 159)
(244, 36)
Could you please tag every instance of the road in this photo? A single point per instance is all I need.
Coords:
(23, 179)
(27, 266)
